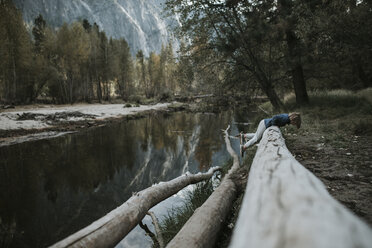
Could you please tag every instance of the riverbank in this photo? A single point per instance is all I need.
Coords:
(40, 121)
(31, 122)
(334, 143)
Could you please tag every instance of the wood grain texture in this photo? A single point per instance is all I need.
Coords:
(285, 205)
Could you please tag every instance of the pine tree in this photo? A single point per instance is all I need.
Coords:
(125, 70)
(141, 73)
(38, 32)
(154, 72)
(16, 55)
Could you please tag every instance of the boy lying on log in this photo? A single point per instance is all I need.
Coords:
(277, 120)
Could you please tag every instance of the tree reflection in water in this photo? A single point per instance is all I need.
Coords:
(52, 188)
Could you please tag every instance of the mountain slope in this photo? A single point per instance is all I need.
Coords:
(138, 21)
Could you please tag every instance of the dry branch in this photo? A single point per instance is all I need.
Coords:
(202, 228)
(148, 232)
(112, 228)
(285, 205)
(159, 236)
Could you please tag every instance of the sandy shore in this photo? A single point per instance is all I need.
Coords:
(24, 123)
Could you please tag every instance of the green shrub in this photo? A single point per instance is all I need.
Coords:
(165, 96)
(148, 101)
(136, 99)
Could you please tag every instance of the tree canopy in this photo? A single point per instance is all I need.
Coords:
(76, 62)
(267, 48)
(282, 45)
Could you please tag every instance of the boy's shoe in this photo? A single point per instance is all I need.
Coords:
(242, 151)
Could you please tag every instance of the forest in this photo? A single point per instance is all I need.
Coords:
(250, 48)
(75, 63)
(281, 46)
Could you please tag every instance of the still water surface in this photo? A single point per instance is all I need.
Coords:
(52, 188)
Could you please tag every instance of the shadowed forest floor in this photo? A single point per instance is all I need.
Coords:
(344, 168)
(334, 143)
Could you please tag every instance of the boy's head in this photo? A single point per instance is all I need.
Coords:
(295, 119)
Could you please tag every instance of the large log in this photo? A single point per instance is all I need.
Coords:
(113, 227)
(202, 228)
(285, 205)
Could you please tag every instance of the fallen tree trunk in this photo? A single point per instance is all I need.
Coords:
(112, 228)
(202, 228)
(285, 205)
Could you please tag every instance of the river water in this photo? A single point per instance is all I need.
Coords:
(52, 188)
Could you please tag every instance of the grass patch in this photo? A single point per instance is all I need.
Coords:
(336, 115)
(224, 237)
(333, 104)
(177, 217)
(226, 167)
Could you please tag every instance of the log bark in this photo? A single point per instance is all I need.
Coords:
(202, 228)
(112, 228)
(285, 205)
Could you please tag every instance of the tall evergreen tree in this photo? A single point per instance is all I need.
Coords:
(154, 72)
(141, 73)
(125, 77)
(38, 32)
(103, 62)
(16, 55)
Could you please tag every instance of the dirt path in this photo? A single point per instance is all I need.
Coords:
(345, 167)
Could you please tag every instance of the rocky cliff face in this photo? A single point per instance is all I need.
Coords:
(138, 21)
